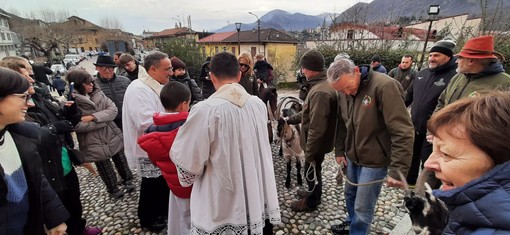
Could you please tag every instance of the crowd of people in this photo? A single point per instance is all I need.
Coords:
(202, 150)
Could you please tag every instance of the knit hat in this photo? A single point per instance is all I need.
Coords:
(444, 47)
(177, 63)
(479, 48)
(342, 55)
(312, 60)
(376, 58)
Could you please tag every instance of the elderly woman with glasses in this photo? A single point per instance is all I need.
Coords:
(28, 204)
(470, 157)
(248, 79)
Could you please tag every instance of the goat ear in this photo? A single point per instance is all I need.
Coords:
(428, 193)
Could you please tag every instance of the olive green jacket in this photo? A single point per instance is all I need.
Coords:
(318, 118)
(376, 129)
(472, 85)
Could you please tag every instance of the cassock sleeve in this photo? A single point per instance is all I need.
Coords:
(191, 149)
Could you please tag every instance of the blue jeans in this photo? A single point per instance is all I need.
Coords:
(361, 200)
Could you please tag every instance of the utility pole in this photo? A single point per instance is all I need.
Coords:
(258, 30)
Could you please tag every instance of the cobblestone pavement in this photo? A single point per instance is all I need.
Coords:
(120, 216)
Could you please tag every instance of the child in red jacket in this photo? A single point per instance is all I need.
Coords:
(157, 142)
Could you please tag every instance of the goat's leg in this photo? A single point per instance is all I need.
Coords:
(289, 168)
(298, 172)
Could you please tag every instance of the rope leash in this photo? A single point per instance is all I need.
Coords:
(311, 169)
(341, 171)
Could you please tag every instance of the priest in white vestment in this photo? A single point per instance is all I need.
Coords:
(141, 101)
(223, 150)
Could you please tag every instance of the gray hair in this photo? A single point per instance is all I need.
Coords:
(339, 68)
(342, 55)
(153, 59)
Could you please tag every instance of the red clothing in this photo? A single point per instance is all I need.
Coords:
(157, 143)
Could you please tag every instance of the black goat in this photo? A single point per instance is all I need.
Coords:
(428, 214)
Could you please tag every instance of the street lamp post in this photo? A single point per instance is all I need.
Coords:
(238, 28)
(433, 10)
(258, 29)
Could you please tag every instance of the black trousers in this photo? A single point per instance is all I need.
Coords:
(70, 198)
(314, 199)
(107, 173)
(153, 202)
(421, 152)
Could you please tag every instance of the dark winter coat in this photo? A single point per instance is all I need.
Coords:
(196, 93)
(481, 206)
(45, 208)
(318, 118)
(114, 89)
(380, 68)
(46, 113)
(375, 129)
(99, 139)
(157, 143)
(41, 72)
(59, 84)
(404, 76)
(425, 90)
(207, 85)
(261, 69)
(249, 82)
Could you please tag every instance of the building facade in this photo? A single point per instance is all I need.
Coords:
(7, 37)
(279, 48)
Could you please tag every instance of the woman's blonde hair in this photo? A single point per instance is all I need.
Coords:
(248, 58)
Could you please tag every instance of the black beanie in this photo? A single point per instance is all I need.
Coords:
(312, 60)
(444, 47)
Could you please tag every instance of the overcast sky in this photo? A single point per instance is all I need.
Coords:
(156, 15)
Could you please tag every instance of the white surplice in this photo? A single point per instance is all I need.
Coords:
(223, 149)
(141, 101)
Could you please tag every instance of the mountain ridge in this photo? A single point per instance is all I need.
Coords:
(283, 20)
(387, 11)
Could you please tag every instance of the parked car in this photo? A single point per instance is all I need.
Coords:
(74, 59)
(58, 67)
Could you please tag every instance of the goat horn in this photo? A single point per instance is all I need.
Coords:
(420, 183)
(403, 180)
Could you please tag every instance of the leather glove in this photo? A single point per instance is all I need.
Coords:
(63, 126)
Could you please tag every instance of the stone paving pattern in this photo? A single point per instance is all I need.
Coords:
(119, 216)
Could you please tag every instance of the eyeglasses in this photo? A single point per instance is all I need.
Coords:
(24, 96)
(244, 65)
(106, 68)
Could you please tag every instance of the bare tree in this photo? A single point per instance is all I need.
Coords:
(45, 35)
(109, 22)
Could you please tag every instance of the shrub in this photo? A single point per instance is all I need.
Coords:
(187, 50)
